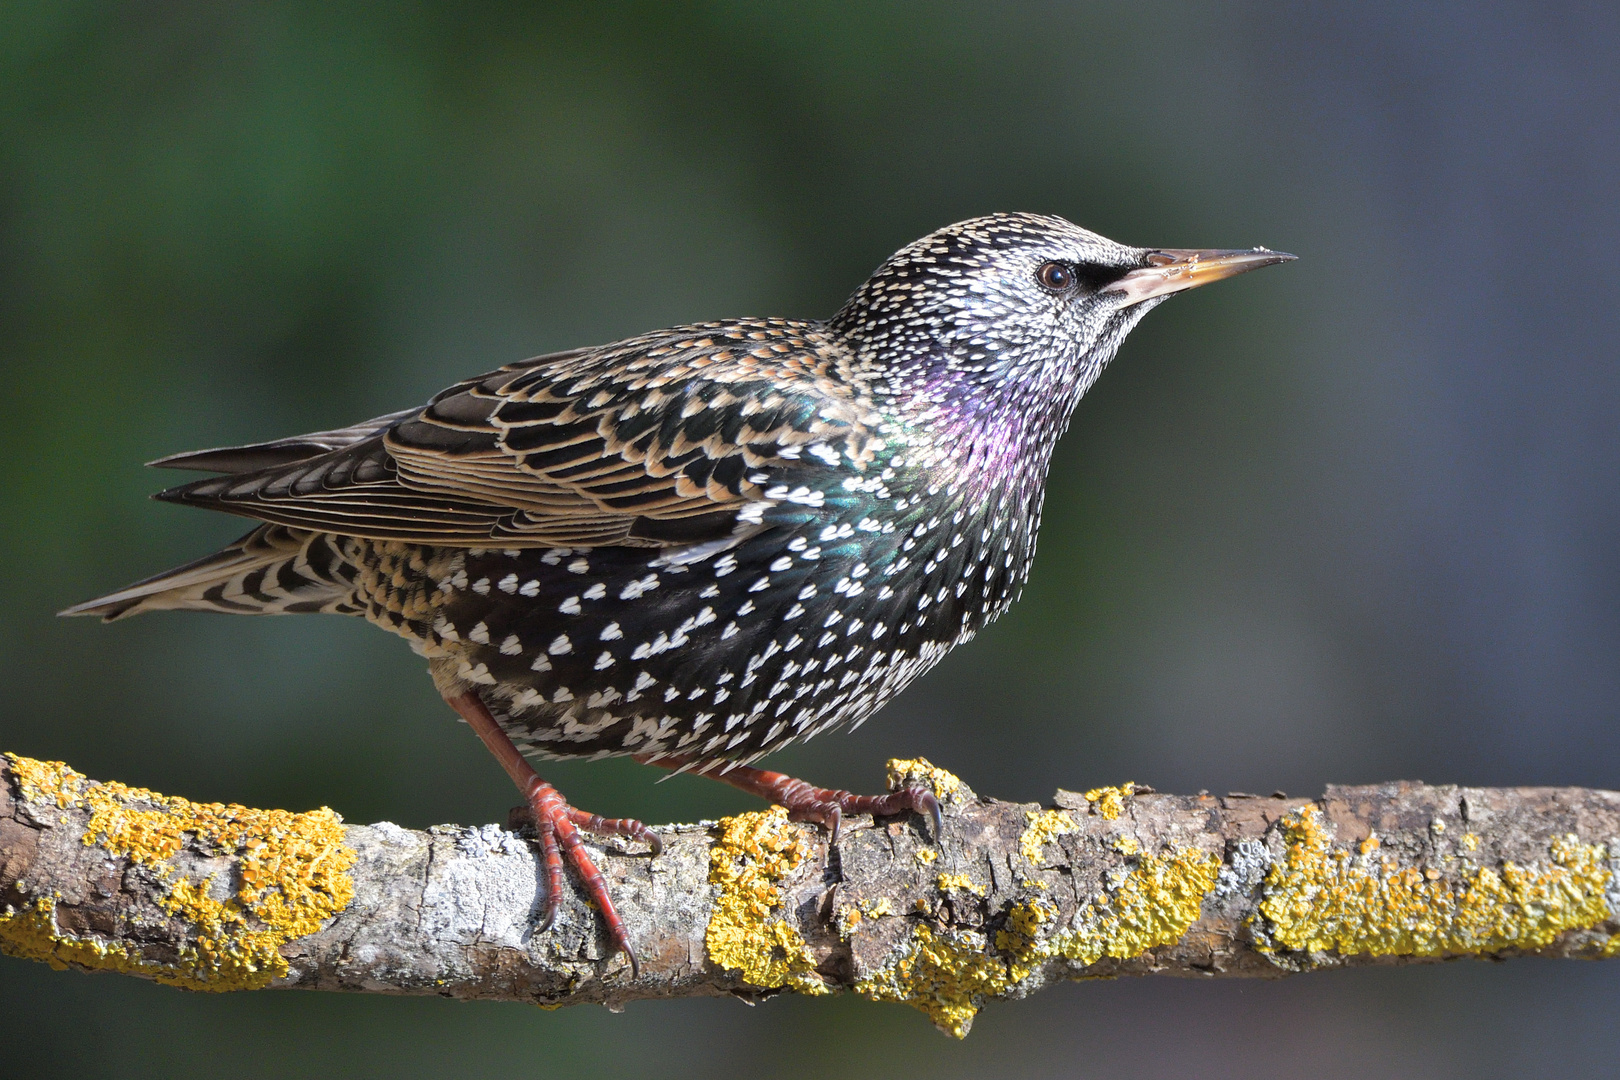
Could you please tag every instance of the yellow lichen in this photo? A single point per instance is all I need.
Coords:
(31, 933)
(1044, 827)
(1019, 938)
(926, 856)
(949, 974)
(45, 781)
(754, 853)
(1109, 802)
(293, 870)
(919, 772)
(1153, 905)
(1318, 898)
(947, 882)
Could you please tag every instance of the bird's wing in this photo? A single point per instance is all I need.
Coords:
(655, 441)
(267, 455)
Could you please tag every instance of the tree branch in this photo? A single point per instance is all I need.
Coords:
(1118, 881)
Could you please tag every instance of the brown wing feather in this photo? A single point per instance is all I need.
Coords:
(266, 455)
(617, 445)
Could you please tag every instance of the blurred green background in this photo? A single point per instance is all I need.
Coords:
(1350, 520)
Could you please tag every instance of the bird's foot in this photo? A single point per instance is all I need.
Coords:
(825, 806)
(522, 817)
(557, 827)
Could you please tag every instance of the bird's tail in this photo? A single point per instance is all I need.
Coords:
(273, 570)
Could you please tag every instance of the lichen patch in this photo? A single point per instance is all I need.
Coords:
(919, 772)
(45, 781)
(1319, 898)
(949, 974)
(292, 871)
(1044, 827)
(947, 882)
(1153, 905)
(1109, 802)
(752, 856)
(31, 933)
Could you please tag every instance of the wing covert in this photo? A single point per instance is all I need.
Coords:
(655, 441)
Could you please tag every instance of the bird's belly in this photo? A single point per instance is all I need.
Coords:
(597, 652)
(813, 623)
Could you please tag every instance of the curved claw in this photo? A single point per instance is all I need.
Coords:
(551, 870)
(635, 965)
(833, 819)
(548, 920)
(928, 801)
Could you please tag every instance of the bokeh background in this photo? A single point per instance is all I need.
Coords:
(1353, 519)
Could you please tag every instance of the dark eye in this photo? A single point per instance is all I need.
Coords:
(1055, 276)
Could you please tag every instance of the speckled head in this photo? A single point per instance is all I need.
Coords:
(1017, 311)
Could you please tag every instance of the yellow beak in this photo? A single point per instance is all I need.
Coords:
(1170, 270)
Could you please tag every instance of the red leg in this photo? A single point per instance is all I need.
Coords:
(805, 802)
(558, 826)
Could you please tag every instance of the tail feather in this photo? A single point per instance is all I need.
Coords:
(273, 570)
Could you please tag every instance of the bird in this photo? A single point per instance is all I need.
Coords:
(701, 544)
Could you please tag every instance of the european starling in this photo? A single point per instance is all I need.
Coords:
(699, 545)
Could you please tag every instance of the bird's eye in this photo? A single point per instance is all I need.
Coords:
(1055, 276)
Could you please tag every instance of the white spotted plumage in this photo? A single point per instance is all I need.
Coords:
(761, 528)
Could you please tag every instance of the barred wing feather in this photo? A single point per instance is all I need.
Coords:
(655, 441)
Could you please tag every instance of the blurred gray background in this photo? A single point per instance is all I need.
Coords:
(1353, 519)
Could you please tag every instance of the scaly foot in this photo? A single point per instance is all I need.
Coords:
(557, 826)
(805, 802)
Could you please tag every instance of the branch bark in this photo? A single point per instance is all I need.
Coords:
(1117, 881)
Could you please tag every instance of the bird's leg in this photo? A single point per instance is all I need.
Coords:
(558, 825)
(805, 802)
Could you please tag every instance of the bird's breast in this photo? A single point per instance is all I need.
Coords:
(843, 596)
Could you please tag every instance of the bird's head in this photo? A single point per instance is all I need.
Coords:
(1017, 312)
